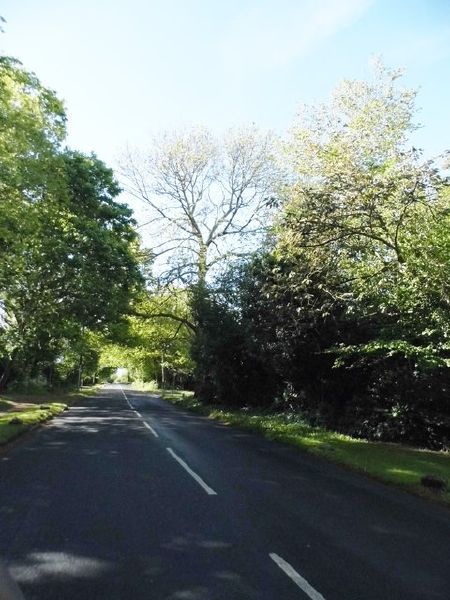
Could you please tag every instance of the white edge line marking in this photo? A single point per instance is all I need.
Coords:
(194, 475)
(150, 428)
(296, 578)
(138, 414)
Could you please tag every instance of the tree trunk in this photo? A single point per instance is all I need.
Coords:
(4, 377)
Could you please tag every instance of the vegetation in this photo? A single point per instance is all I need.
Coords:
(151, 346)
(16, 418)
(207, 201)
(206, 197)
(307, 276)
(68, 250)
(391, 463)
(342, 316)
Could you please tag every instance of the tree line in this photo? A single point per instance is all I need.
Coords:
(308, 274)
(332, 299)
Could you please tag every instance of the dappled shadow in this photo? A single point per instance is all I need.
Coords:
(188, 566)
(95, 508)
(91, 512)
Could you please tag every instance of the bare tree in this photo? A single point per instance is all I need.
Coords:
(207, 198)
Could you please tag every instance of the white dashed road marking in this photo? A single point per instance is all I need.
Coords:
(150, 428)
(192, 473)
(138, 414)
(296, 578)
(125, 396)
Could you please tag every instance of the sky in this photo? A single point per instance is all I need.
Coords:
(128, 69)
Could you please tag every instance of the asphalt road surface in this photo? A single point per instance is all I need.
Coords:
(127, 497)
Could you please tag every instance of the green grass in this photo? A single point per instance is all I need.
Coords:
(391, 463)
(29, 417)
(33, 409)
(145, 386)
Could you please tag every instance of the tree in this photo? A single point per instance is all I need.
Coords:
(347, 302)
(361, 246)
(208, 201)
(32, 128)
(206, 197)
(154, 348)
(360, 195)
(78, 268)
(233, 364)
(69, 256)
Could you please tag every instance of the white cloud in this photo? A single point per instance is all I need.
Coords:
(270, 35)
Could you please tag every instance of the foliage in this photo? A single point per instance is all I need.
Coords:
(69, 256)
(79, 268)
(151, 346)
(343, 314)
(347, 305)
(362, 269)
(208, 200)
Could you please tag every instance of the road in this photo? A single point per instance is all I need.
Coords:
(127, 497)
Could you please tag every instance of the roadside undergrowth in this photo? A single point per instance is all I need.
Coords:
(394, 464)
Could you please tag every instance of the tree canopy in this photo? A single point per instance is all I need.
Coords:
(69, 253)
(205, 196)
(309, 274)
(344, 312)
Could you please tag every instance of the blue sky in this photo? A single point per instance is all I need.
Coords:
(130, 68)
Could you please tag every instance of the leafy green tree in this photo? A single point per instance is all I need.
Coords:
(152, 347)
(347, 304)
(32, 123)
(362, 201)
(80, 266)
(361, 258)
(233, 365)
(32, 126)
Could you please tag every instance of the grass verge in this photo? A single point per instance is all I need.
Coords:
(391, 463)
(15, 423)
(20, 413)
(146, 386)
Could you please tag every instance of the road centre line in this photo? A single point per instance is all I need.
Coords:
(296, 577)
(139, 414)
(185, 466)
(192, 473)
(125, 396)
(150, 428)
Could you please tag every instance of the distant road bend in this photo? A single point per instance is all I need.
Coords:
(127, 497)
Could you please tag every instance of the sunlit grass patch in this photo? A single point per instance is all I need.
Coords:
(145, 386)
(28, 410)
(83, 392)
(391, 463)
(14, 423)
